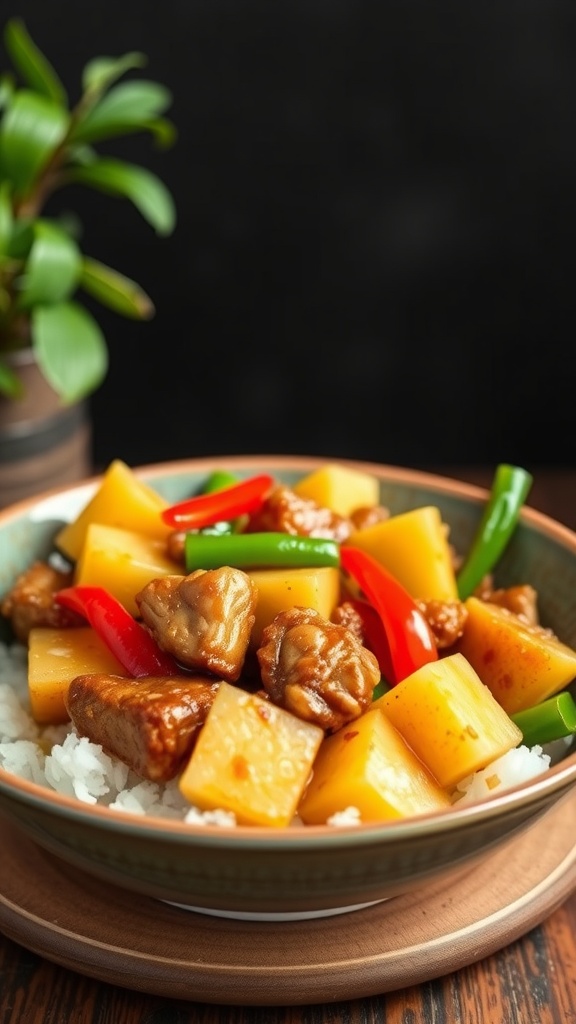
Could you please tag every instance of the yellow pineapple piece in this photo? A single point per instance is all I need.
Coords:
(122, 500)
(368, 765)
(251, 758)
(414, 547)
(55, 658)
(340, 488)
(450, 719)
(282, 589)
(123, 562)
(521, 664)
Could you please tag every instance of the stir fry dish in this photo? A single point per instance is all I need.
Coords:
(292, 654)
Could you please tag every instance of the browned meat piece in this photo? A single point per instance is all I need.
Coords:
(30, 602)
(370, 516)
(286, 512)
(204, 619)
(175, 547)
(346, 615)
(317, 670)
(446, 620)
(150, 723)
(484, 588)
(522, 600)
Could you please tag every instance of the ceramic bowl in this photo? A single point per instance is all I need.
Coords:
(301, 871)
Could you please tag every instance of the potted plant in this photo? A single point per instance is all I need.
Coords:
(53, 354)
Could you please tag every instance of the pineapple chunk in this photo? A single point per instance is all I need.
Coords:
(121, 500)
(123, 562)
(368, 765)
(450, 719)
(252, 758)
(340, 488)
(55, 658)
(281, 589)
(414, 547)
(521, 664)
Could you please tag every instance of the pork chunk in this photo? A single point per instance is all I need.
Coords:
(204, 619)
(316, 669)
(446, 619)
(522, 600)
(363, 517)
(285, 511)
(150, 723)
(31, 603)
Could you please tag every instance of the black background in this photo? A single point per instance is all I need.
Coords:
(374, 254)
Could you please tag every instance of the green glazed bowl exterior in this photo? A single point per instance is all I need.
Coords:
(300, 871)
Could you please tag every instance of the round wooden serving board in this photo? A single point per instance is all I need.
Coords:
(117, 937)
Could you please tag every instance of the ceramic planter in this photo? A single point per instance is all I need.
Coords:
(43, 444)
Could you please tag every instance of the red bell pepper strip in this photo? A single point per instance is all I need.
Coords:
(228, 503)
(409, 636)
(127, 639)
(374, 635)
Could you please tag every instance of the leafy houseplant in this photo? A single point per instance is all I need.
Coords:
(47, 143)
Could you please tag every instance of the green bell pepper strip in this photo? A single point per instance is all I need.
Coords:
(217, 481)
(380, 689)
(258, 550)
(409, 636)
(132, 644)
(206, 509)
(508, 493)
(553, 719)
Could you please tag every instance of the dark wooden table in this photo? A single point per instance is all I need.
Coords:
(531, 981)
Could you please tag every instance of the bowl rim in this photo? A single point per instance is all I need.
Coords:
(450, 486)
(561, 776)
(554, 779)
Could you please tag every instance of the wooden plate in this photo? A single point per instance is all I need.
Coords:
(138, 943)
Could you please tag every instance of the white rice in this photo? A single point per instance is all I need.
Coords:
(518, 765)
(57, 757)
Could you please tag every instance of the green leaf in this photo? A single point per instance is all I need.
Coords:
(80, 154)
(145, 190)
(100, 73)
(35, 69)
(53, 268)
(31, 130)
(6, 219)
(10, 384)
(164, 131)
(6, 90)
(21, 239)
(115, 290)
(70, 349)
(129, 106)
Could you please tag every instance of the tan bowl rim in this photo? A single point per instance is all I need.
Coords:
(446, 485)
(560, 776)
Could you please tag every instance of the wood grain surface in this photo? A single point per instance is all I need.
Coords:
(532, 980)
